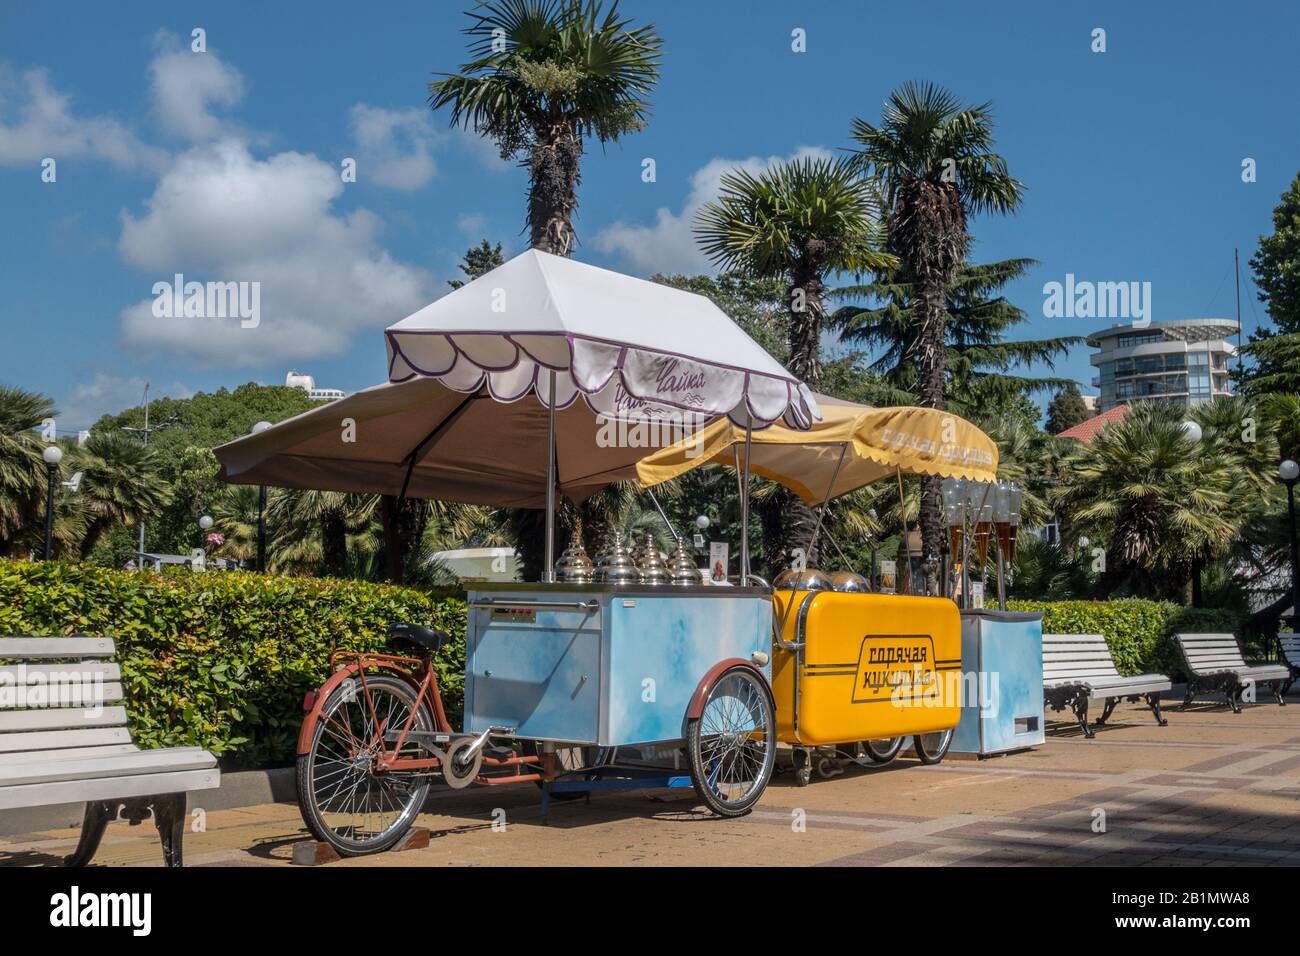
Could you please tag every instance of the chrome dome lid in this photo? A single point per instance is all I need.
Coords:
(849, 581)
(809, 579)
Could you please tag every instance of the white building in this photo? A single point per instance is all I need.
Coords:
(1185, 362)
(308, 385)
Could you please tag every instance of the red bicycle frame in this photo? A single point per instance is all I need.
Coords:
(419, 674)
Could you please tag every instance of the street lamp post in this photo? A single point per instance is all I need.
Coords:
(53, 454)
(261, 512)
(1289, 471)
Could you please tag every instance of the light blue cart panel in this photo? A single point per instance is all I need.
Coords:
(660, 648)
(1003, 652)
(541, 677)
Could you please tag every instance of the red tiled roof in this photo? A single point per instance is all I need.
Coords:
(1087, 431)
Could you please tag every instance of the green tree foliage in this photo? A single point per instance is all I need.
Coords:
(478, 260)
(182, 450)
(1066, 409)
(980, 359)
(1276, 267)
(22, 472)
(545, 76)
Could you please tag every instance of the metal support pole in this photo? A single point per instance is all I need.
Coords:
(821, 512)
(1002, 586)
(261, 529)
(52, 471)
(1295, 553)
(548, 570)
(744, 501)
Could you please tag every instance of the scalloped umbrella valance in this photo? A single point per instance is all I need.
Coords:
(633, 349)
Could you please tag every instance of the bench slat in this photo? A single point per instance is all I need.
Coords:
(111, 765)
(59, 739)
(91, 671)
(29, 756)
(61, 718)
(80, 791)
(45, 648)
(78, 694)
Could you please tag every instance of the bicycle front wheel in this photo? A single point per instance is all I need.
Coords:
(732, 744)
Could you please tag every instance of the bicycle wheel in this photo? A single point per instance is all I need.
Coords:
(930, 748)
(344, 801)
(882, 751)
(732, 744)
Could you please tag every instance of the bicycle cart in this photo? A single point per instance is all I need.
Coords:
(574, 687)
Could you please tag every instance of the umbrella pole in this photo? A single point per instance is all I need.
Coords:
(548, 571)
(821, 512)
(744, 502)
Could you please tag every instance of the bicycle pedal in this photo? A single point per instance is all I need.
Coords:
(498, 752)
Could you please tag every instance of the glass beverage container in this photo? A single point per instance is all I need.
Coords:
(979, 505)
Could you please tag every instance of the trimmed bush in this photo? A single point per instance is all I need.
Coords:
(221, 660)
(1139, 632)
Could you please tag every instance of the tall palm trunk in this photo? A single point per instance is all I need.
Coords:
(554, 172)
(928, 233)
(334, 542)
(806, 309)
(553, 168)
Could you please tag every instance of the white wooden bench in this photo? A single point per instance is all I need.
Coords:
(1214, 662)
(64, 739)
(1078, 669)
(1288, 651)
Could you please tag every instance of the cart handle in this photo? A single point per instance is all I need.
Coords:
(589, 606)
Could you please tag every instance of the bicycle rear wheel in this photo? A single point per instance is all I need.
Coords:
(344, 800)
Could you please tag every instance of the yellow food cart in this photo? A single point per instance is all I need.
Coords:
(854, 672)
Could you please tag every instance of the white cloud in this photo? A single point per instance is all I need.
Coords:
(471, 224)
(220, 214)
(109, 394)
(669, 244)
(186, 85)
(37, 121)
(394, 147)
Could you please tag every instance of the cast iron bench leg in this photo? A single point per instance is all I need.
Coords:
(1106, 711)
(1234, 697)
(1081, 714)
(169, 818)
(1277, 693)
(1191, 692)
(1153, 701)
(98, 814)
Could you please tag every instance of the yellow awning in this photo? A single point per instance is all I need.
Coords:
(863, 443)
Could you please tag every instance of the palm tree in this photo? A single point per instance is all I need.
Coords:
(796, 222)
(22, 472)
(122, 483)
(545, 76)
(1158, 502)
(934, 161)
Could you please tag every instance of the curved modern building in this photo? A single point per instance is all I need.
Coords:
(1184, 362)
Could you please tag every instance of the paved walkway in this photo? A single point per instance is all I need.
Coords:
(1212, 788)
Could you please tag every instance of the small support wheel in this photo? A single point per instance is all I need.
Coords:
(931, 748)
(802, 767)
(882, 751)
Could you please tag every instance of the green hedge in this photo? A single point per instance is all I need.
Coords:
(1139, 632)
(222, 660)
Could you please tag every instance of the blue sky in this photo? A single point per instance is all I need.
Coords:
(224, 165)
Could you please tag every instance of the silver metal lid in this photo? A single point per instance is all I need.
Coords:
(849, 581)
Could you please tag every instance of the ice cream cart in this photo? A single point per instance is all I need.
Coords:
(854, 673)
(511, 391)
